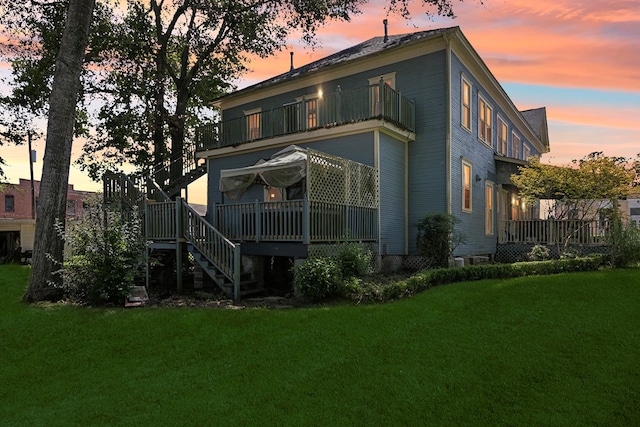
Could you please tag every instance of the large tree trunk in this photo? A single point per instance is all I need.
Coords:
(48, 246)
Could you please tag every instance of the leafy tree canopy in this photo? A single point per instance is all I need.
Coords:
(155, 65)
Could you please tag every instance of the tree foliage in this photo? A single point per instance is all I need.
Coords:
(574, 190)
(155, 65)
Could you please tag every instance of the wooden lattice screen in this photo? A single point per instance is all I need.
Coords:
(332, 179)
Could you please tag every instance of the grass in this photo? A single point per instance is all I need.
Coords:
(555, 350)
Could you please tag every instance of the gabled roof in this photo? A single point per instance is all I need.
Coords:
(369, 47)
(537, 119)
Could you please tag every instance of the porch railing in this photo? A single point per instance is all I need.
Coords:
(333, 109)
(296, 221)
(549, 231)
(175, 220)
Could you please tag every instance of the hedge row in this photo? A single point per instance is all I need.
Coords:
(442, 276)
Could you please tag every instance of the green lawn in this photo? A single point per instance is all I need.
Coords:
(555, 350)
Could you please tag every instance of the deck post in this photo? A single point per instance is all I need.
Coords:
(179, 243)
(305, 221)
(236, 273)
(258, 218)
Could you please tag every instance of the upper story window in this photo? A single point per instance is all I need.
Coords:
(485, 114)
(254, 130)
(501, 145)
(71, 207)
(526, 152)
(465, 101)
(9, 203)
(515, 146)
(466, 186)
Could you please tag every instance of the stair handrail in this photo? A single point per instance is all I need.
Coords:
(213, 245)
(188, 159)
(129, 189)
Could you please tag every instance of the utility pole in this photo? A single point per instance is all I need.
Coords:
(32, 159)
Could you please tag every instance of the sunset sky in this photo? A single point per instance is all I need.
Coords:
(578, 58)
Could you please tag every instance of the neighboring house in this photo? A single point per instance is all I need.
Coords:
(17, 216)
(357, 146)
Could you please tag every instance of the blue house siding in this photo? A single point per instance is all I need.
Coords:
(392, 195)
(427, 166)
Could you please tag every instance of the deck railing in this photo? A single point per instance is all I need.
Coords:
(333, 109)
(549, 231)
(296, 221)
(175, 220)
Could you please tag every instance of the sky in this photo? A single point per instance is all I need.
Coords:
(578, 58)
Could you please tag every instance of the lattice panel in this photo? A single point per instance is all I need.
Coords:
(331, 179)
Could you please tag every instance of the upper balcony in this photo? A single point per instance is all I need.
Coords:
(375, 102)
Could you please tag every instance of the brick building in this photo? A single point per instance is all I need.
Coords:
(17, 218)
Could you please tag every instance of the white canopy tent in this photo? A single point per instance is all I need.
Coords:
(285, 168)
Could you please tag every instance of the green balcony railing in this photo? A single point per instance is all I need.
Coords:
(338, 108)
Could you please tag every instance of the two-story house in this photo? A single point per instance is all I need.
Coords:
(356, 146)
(422, 110)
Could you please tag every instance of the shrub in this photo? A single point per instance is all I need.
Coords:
(624, 241)
(105, 253)
(318, 278)
(539, 253)
(437, 238)
(354, 259)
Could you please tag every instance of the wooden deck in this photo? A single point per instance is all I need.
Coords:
(551, 232)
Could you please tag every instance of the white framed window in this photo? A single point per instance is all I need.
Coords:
(485, 121)
(515, 146)
(488, 208)
(467, 186)
(526, 151)
(253, 119)
(503, 132)
(465, 102)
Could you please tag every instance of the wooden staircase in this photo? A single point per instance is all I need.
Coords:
(173, 225)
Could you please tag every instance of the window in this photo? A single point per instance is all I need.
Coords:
(488, 209)
(466, 186)
(253, 124)
(312, 113)
(515, 146)
(526, 152)
(502, 137)
(485, 112)
(9, 203)
(71, 207)
(465, 96)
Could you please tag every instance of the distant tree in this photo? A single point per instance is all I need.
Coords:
(589, 189)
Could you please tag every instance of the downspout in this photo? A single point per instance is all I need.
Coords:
(447, 41)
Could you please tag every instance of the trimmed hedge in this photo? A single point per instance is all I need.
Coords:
(442, 276)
